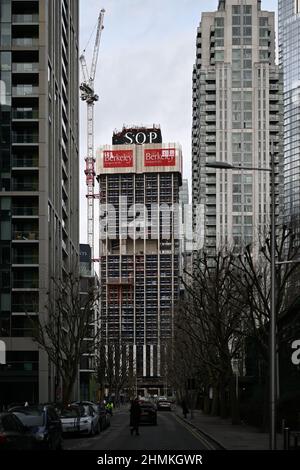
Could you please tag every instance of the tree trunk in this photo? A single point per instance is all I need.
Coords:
(206, 404)
(223, 403)
(234, 402)
(215, 402)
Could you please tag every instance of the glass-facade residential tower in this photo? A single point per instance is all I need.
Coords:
(289, 61)
(237, 96)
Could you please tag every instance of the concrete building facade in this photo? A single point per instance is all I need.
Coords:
(39, 179)
(237, 113)
(140, 255)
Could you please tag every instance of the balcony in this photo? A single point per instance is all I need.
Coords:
(25, 284)
(25, 259)
(25, 19)
(25, 90)
(24, 308)
(25, 114)
(24, 138)
(25, 42)
(210, 97)
(25, 235)
(25, 211)
(210, 107)
(22, 161)
(24, 67)
(25, 185)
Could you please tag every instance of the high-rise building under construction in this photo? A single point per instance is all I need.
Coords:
(139, 179)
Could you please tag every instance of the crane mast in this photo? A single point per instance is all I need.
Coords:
(88, 95)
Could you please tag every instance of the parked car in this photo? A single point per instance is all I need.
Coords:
(69, 417)
(98, 426)
(148, 413)
(13, 434)
(44, 424)
(89, 420)
(164, 404)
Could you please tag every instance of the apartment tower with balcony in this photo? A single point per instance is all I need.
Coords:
(139, 179)
(39, 179)
(237, 119)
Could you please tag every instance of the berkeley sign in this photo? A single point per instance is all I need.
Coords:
(160, 157)
(117, 158)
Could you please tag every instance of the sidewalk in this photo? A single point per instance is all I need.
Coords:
(228, 436)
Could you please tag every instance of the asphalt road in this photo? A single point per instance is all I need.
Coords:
(169, 434)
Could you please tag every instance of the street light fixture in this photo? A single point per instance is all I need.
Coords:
(273, 384)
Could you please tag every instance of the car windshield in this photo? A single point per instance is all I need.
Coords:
(30, 417)
(69, 413)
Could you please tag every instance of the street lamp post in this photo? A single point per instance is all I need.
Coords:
(272, 351)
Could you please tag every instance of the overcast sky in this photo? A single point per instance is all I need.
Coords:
(144, 73)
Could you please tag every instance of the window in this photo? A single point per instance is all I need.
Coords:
(219, 21)
(219, 56)
(297, 7)
(236, 9)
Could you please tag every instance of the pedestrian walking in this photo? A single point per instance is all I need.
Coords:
(185, 409)
(135, 416)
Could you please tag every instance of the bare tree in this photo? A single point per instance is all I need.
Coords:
(215, 308)
(69, 329)
(113, 367)
(254, 277)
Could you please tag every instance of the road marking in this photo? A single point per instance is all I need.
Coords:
(195, 433)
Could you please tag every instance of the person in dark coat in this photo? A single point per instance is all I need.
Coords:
(185, 409)
(135, 416)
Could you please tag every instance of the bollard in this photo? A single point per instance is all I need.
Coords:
(286, 439)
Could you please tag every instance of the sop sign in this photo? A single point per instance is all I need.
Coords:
(141, 138)
(117, 159)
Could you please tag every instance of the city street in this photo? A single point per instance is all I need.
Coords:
(169, 434)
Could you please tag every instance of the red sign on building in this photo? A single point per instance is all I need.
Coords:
(160, 157)
(117, 159)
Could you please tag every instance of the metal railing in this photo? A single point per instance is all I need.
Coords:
(29, 18)
(25, 235)
(25, 67)
(27, 186)
(25, 284)
(27, 211)
(34, 259)
(23, 162)
(25, 90)
(25, 113)
(25, 42)
(25, 138)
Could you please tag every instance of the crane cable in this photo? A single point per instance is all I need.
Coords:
(90, 38)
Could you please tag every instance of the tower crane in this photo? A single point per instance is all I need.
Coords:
(90, 97)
